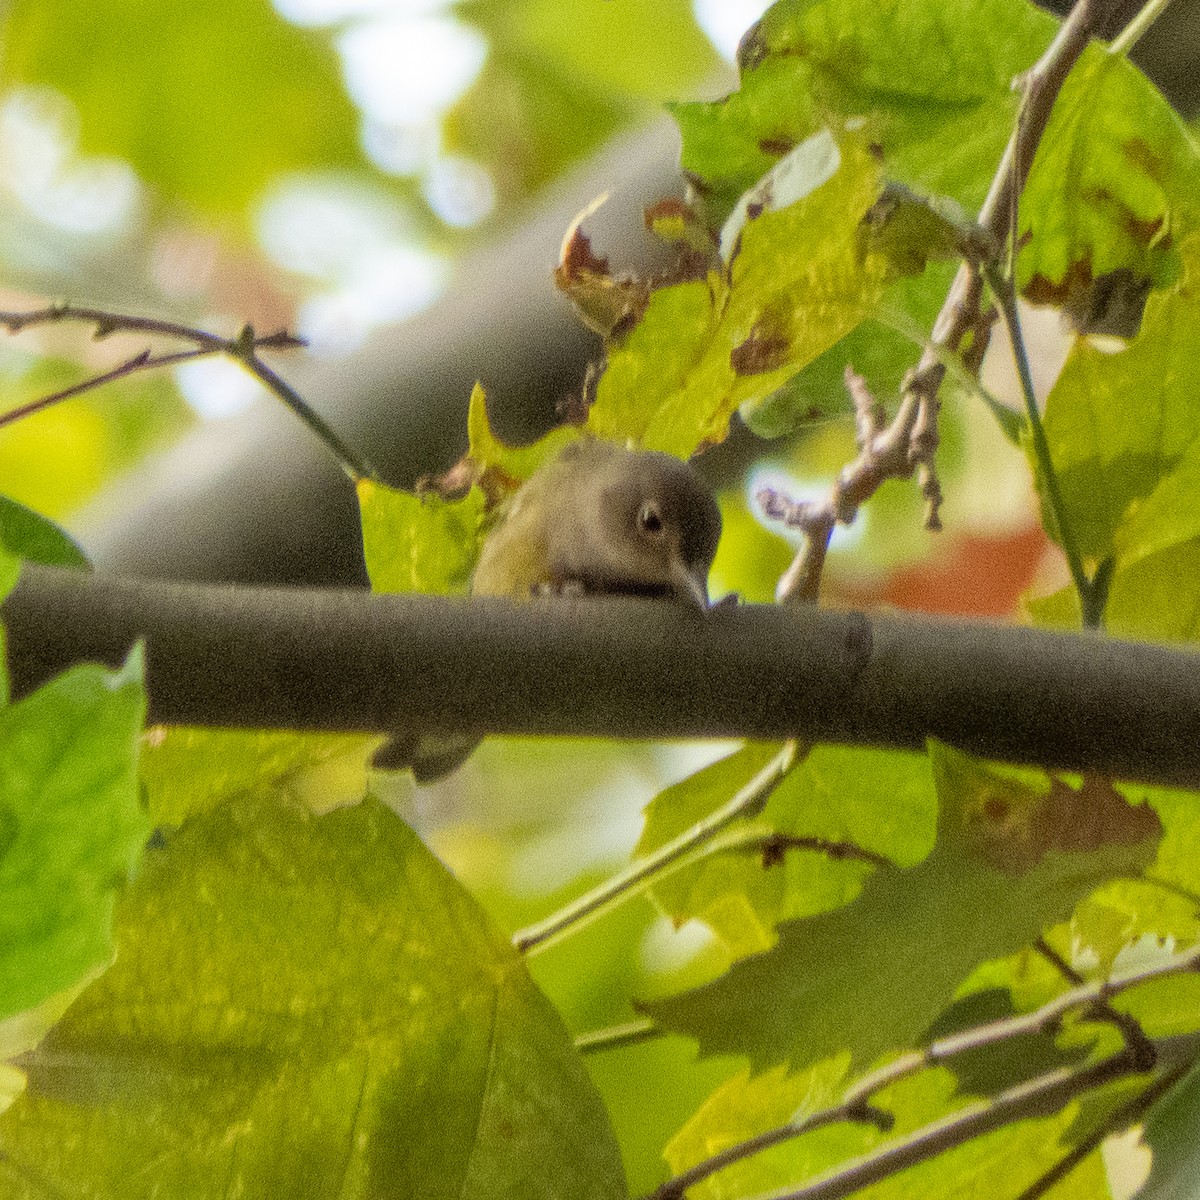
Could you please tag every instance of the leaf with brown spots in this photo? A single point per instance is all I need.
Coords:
(764, 350)
(795, 275)
(1124, 433)
(1115, 187)
(603, 300)
(809, 63)
(680, 224)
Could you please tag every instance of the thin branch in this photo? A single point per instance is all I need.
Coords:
(143, 361)
(1120, 1118)
(292, 658)
(915, 423)
(960, 367)
(243, 349)
(1036, 1097)
(884, 453)
(773, 848)
(108, 323)
(1127, 1025)
(862, 1113)
(641, 873)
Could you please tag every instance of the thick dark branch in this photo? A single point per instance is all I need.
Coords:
(345, 660)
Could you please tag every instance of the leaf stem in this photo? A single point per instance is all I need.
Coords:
(1134, 31)
(641, 873)
(243, 350)
(1006, 297)
(632, 1033)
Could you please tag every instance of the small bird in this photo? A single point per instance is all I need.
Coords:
(597, 519)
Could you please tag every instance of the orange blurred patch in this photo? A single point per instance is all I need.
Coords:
(970, 576)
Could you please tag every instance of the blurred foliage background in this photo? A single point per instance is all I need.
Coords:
(332, 166)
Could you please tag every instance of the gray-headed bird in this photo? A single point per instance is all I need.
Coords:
(596, 519)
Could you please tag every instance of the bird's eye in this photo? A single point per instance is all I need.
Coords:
(649, 519)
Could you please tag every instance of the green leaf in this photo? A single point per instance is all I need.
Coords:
(307, 1006)
(1167, 518)
(208, 101)
(1118, 918)
(1170, 1132)
(796, 276)
(420, 543)
(933, 80)
(879, 351)
(1119, 424)
(1015, 852)
(71, 826)
(1115, 184)
(1166, 1007)
(1157, 598)
(874, 802)
(511, 464)
(10, 569)
(1177, 863)
(745, 1105)
(29, 535)
(941, 131)
(1058, 610)
(187, 771)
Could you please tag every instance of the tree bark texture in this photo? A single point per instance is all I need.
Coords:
(615, 667)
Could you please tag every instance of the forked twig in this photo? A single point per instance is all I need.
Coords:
(909, 443)
(1040, 1096)
(243, 349)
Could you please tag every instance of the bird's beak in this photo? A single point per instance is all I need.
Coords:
(689, 587)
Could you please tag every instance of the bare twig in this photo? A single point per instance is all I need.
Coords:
(910, 443)
(242, 349)
(1120, 1118)
(773, 848)
(1036, 1097)
(143, 361)
(885, 452)
(748, 802)
(1129, 1027)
